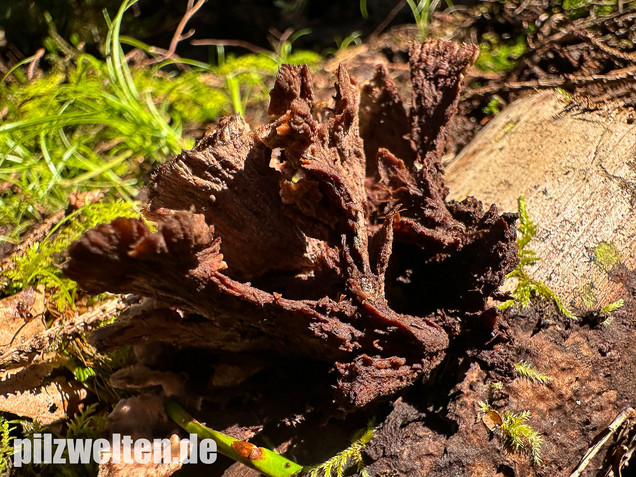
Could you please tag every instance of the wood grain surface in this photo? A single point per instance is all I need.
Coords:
(577, 171)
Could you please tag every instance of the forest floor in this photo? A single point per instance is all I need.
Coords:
(82, 134)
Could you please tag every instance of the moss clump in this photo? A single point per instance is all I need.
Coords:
(493, 107)
(517, 435)
(520, 436)
(497, 56)
(580, 8)
(39, 265)
(606, 256)
(189, 99)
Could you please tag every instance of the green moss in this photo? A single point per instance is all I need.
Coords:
(304, 57)
(39, 265)
(86, 424)
(187, 96)
(581, 8)
(587, 296)
(606, 256)
(607, 309)
(510, 125)
(6, 447)
(498, 56)
(527, 288)
(525, 370)
(493, 107)
(613, 306)
(247, 76)
(252, 65)
(342, 461)
(517, 434)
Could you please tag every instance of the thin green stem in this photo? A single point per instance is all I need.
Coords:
(264, 460)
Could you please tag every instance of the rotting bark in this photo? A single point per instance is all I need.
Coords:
(305, 238)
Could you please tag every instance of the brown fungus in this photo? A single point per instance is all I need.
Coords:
(327, 240)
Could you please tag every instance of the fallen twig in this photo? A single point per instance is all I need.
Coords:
(226, 42)
(178, 34)
(628, 413)
(627, 74)
(28, 353)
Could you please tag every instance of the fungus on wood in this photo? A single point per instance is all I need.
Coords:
(330, 239)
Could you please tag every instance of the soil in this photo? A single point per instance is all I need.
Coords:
(592, 382)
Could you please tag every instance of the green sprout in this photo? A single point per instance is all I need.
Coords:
(269, 462)
(354, 38)
(422, 12)
(528, 288)
(283, 48)
(527, 371)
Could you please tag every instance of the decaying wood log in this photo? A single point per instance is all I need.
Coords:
(578, 174)
(313, 238)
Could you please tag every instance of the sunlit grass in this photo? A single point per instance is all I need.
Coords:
(100, 124)
(90, 124)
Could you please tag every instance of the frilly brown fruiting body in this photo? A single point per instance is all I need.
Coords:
(314, 238)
